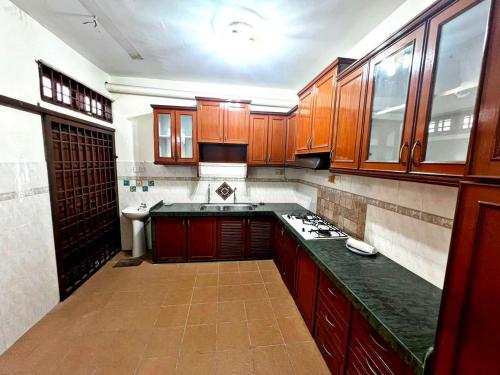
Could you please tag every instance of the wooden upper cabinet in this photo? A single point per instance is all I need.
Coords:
(391, 104)
(451, 77)
(236, 123)
(210, 121)
(291, 125)
(321, 125)
(485, 151)
(175, 135)
(222, 121)
(257, 147)
(349, 106)
(267, 140)
(276, 140)
(304, 122)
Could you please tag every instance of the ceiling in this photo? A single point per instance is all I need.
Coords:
(292, 40)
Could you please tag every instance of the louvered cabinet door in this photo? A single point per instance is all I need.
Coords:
(230, 238)
(260, 238)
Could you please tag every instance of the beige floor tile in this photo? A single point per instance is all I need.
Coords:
(208, 267)
(234, 363)
(254, 291)
(207, 279)
(284, 307)
(259, 309)
(205, 294)
(203, 313)
(199, 339)
(231, 293)
(294, 330)
(248, 265)
(164, 342)
(264, 332)
(266, 265)
(271, 360)
(276, 290)
(229, 278)
(270, 276)
(197, 364)
(306, 359)
(228, 267)
(232, 336)
(231, 311)
(172, 316)
(177, 296)
(143, 318)
(250, 277)
(158, 365)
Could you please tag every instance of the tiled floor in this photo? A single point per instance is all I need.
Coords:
(197, 318)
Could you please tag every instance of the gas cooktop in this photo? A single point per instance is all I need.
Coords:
(313, 227)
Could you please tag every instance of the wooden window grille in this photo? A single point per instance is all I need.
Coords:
(59, 89)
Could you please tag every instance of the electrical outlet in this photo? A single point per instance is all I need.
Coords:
(139, 169)
(331, 179)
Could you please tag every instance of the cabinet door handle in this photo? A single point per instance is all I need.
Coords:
(332, 292)
(326, 350)
(403, 146)
(282, 231)
(332, 152)
(328, 321)
(412, 154)
(368, 363)
(377, 343)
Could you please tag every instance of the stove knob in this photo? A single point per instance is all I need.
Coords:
(303, 229)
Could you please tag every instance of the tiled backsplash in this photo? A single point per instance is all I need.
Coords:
(347, 211)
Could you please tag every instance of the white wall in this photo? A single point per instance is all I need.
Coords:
(28, 275)
(397, 19)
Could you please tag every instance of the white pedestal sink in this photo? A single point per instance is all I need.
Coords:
(137, 214)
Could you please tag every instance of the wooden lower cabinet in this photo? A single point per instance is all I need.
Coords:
(170, 240)
(201, 233)
(306, 286)
(259, 238)
(289, 262)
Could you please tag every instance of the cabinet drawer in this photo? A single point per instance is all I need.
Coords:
(332, 325)
(334, 358)
(334, 298)
(371, 351)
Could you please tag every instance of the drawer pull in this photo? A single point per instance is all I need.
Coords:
(326, 350)
(332, 292)
(378, 344)
(328, 321)
(373, 371)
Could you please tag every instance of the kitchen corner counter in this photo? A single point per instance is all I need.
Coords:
(401, 306)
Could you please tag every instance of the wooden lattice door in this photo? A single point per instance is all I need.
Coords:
(83, 188)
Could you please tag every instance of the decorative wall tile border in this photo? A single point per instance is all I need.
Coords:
(23, 194)
(406, 211)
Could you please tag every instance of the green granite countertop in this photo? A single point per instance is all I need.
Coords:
(400, 305)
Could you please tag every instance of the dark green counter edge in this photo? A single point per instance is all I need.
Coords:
(402, 307)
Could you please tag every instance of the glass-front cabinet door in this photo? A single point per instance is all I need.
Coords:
(185, 136)
(164, 135)
(450, 84)
(174, 136)
(391, 104)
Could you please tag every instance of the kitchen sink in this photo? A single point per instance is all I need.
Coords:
(228, 207)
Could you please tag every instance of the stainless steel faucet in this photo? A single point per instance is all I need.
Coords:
(234, 195)
(208, 194)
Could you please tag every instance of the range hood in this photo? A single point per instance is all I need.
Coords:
(317, 161)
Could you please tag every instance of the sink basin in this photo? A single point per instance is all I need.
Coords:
(228, 207)
(135, 212)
